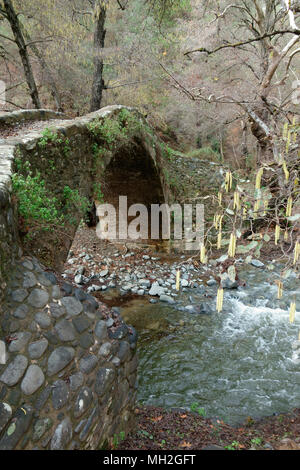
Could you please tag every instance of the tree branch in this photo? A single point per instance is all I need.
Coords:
(6, 37)
(243, 43)
(291, 58)
(130, 83)
(122, 7)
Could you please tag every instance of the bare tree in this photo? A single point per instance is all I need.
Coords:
(8, 11)
(100, 8)
(264, 42)
(44, 66)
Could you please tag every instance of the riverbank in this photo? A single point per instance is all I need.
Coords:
(160, 429)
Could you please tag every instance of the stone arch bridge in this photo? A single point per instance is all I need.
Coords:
(67, 363)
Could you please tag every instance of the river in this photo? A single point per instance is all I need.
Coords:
(233, 364)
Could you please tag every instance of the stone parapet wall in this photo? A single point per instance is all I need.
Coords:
(9, 239)
(9, 119)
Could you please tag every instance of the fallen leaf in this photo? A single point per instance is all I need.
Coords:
(183, 416)
(155, 420)
(186, 444)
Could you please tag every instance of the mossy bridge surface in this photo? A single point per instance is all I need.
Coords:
(68, 363)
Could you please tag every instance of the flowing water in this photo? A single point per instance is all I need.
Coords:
(234, 364)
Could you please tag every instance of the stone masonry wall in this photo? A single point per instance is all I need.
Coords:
(9, 240)
(67, 366)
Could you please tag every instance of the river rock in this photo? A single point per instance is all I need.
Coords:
(37, 349)
(104, 379)
(79, 279)
(101, 330)
(83, 401)
(72, 306)
(257, 263)
(14, 371)
(167, 298)
(19, 295)
(33, 380)
(22, 338)
(59, 359)
(65, 330)
(62, 435)
(202, 309)
(21, 312)
(43, 320)
(227, 282)
(38, 298)
(156, 290)
(76, 381)
(29, 280)
(5, 414)
(40, 428)
(60, 394)
(88, 363)
(103, 273)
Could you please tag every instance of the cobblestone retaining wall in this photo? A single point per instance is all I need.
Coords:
(67, 366)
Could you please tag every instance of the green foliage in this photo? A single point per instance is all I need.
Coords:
(98, 192)
(195, 408)
(168, 152)
(38, 207)
(49, 136)
(144, 433)
(206, 153)
(215, 145)
(97, 151)
(117, 439)
(107, 130)
(34, 201)
(256, 441)
(167, 11)
(112, 131)
(131, 123)
(233, 446)
(73, 200)
(66, 147)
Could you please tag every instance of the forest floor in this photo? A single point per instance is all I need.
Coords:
(160, 429)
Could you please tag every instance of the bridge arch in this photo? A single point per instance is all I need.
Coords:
(97, 153)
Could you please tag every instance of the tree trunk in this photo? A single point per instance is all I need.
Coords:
(19, 39)
(44, 66)
(99, 40)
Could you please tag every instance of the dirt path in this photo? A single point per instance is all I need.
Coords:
(24, 127)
